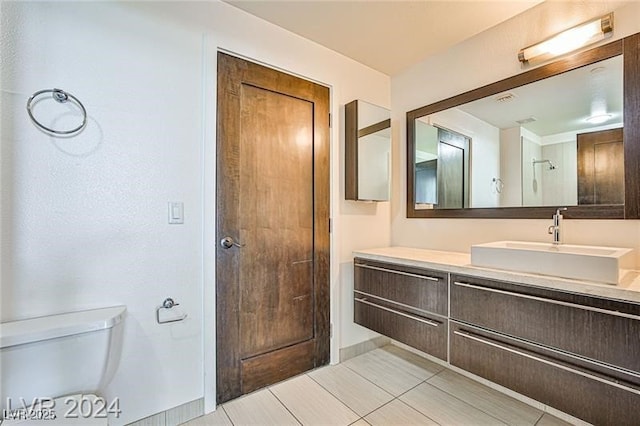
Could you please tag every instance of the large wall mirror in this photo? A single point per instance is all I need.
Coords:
(566, 134)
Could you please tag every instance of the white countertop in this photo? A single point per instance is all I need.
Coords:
(460, 263)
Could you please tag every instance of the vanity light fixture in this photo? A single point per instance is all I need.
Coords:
(569, 40)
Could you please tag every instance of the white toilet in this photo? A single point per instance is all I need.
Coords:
(61, 357)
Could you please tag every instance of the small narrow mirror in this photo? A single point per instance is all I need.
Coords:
(367, 151)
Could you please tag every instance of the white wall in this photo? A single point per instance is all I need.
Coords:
(532, 176)
(84, 219)
(560, 186)
(485, 58)
(511, 167)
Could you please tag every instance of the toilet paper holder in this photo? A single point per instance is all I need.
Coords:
(168, 304)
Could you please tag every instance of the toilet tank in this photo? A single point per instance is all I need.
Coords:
(58, 355)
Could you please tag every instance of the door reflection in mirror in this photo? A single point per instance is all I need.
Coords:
(510, 132)
(442, 168)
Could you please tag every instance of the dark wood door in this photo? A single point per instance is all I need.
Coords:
(451, 179)
(601, 167)
(453, 170)
(272, 276)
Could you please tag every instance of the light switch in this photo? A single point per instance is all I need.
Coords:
(176, 212)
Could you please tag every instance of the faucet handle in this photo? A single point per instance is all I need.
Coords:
(558, 210)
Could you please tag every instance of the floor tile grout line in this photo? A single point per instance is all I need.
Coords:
(440, 366)
(370, 381)
(337, 399)
(407, 361)
(397, 398)
(539, 418)
(383, 405)
(393, 397)
(226, 414)
(427, 380)
(416, 410)
(284, 405)
(470, 404)
(473, 405)
(336, 396)
(384, 361)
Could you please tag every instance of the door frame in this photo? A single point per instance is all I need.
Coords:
(209, 218)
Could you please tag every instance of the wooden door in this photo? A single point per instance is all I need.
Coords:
(272, 273)
(451, 187)
(453, 170)
(601, 167)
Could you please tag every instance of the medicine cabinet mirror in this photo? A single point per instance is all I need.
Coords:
(566, 134)
(367, 151)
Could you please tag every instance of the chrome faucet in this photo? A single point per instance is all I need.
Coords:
(555, 228)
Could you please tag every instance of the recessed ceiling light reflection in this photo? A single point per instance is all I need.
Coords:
(598, 119)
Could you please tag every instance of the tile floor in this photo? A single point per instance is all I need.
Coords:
(387, 386)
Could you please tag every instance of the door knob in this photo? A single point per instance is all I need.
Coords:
(228, 242)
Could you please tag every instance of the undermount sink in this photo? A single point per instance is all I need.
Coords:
(600, 264)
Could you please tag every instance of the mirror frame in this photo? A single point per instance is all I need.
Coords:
(630, 48)
(352, 134)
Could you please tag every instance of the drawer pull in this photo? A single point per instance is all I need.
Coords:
(384, 308)
(393, 271)
(394, 302)
(544, 361)
(552, 301)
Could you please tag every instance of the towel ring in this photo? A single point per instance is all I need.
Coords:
(60, 96)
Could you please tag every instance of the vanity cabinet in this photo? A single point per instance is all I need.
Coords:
(577, 353)
(408, 304)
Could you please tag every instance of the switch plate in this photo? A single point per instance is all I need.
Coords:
(176, 212)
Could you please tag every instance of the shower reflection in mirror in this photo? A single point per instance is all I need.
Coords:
(553, 142)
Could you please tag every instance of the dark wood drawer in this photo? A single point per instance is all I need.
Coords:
(604, 330)
(553, 380)
(428, 334)
(422, 289)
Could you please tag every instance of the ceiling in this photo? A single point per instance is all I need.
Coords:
(386, 35)
(559, 104)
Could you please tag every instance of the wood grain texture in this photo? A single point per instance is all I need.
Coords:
(412, 291)
(583, 397)
(631, 86)
(402, 297)
(374, 128)
(273, 197)
(429, 338)
(596, 335)
(601, 167)
(351, 151)
(453, 169)
(275, 366)
(631, 209)
(276, 227)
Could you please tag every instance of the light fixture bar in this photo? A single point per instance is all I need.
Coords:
(569, 40)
